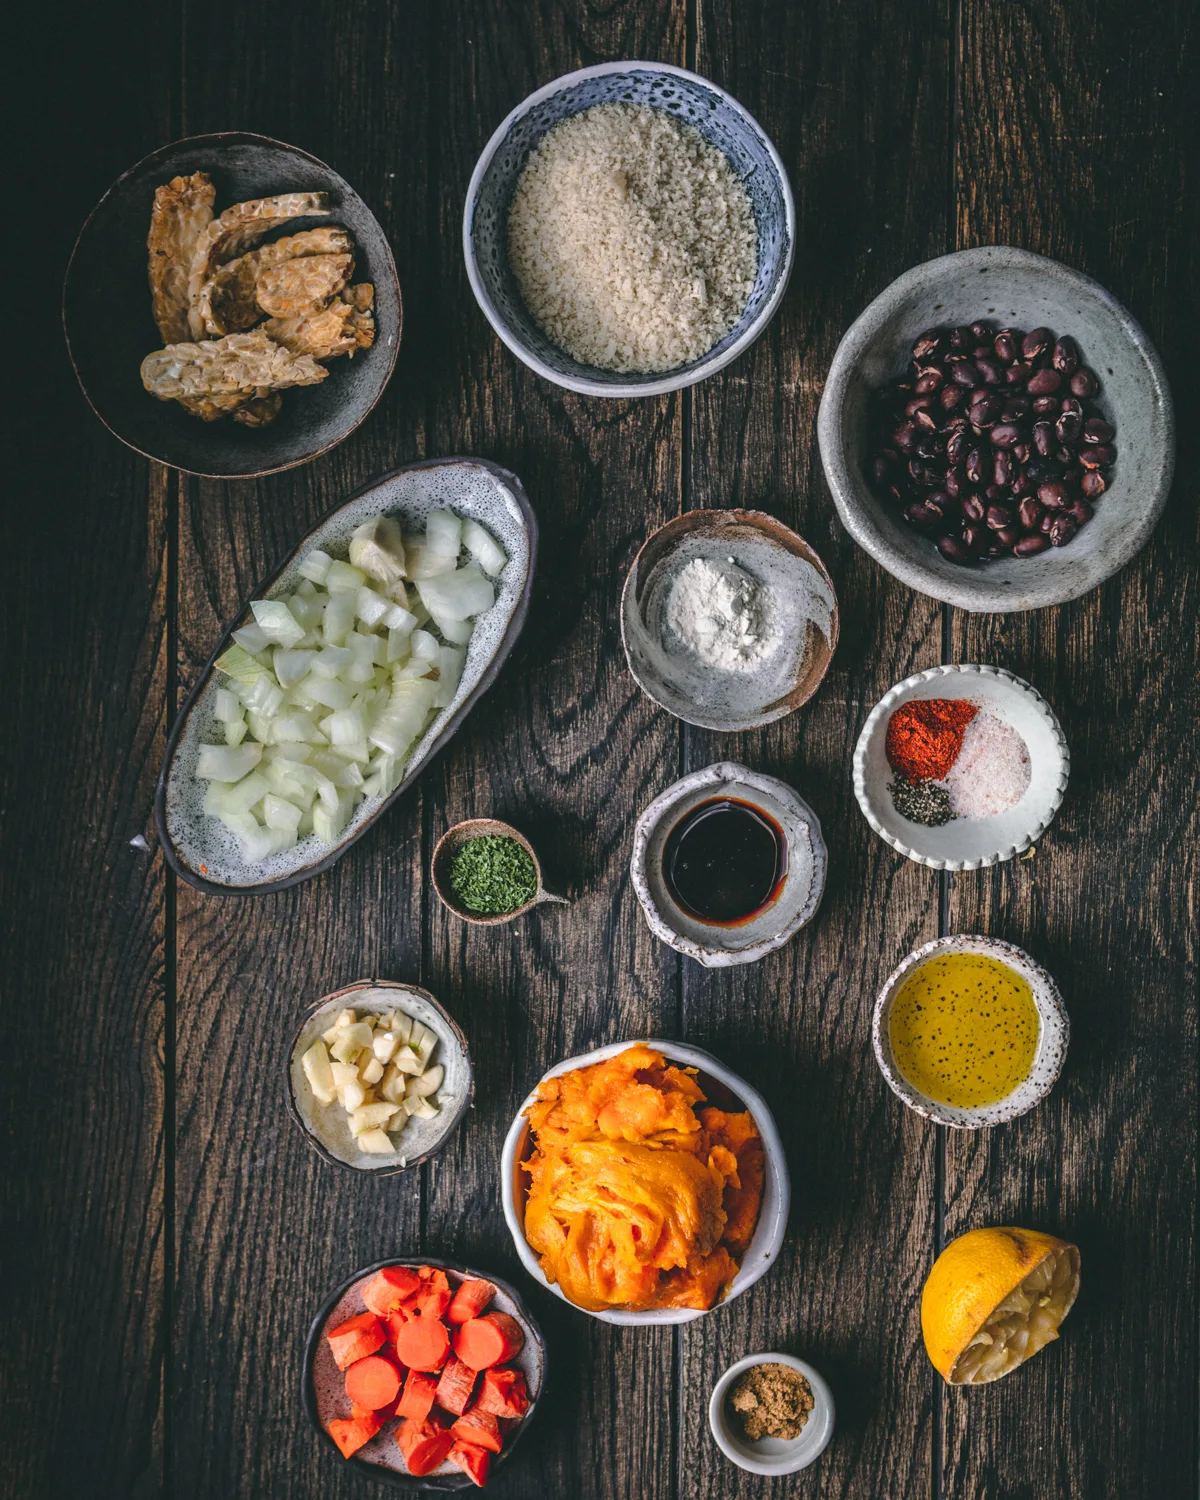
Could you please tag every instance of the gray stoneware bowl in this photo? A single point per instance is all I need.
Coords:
(196, 846)
(323, 1392)
(678, 681)
(1053, 1037)
(726, 1090)
(715, 946)
(110, 330)
(695, 101)
(325, 1127)
(1004, 286)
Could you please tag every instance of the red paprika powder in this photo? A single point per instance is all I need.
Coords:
(925, 735)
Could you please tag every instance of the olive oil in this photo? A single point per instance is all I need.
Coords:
(964, 1029)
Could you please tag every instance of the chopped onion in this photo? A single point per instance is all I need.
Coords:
(226, 762)
(424, 646)
(459, 595)
(277, 622)
(251, 638)
(371, 607)
(450, 666)
(315, 566)
(292, 666)
(443, 533)
(344, 578)
(229, 707)
(423, 562)
(484, 548)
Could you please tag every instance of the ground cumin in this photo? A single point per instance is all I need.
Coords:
(771, 1401)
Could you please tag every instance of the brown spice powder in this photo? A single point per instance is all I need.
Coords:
(771, 1401)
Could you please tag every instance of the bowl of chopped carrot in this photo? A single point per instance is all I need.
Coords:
(423, 1376)
(645, 1182)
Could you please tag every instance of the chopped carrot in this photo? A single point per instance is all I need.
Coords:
(469, 1301)
(350, 1433)
(503, 1393)
(373, 1382)
(424, 1445)
(423, 1344)
(360, 1411)
(455, 1386)
(480, 1428)
(355, 1339)
(393, 1322)
(471, 1460)
(388, 1288)
(434, 1296)
(420, 1392)
(489, 1340)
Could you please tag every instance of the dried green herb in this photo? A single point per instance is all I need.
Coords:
(492, 875)
(921, 802)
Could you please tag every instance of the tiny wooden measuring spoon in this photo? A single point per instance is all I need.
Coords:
(443, 857)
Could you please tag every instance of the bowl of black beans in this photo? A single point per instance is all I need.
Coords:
(997, 431)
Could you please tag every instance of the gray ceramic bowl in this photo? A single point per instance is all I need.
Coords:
(196, 846)
(323, 1388)
(109, 327)
(326, 1127)
(695, 101)
(1004, 286)
(800, 892)
(1053, 1037)
(676, 679)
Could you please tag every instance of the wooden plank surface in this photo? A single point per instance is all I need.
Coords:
(164, 1239)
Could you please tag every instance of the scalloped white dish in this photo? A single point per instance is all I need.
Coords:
(967, 843)
(198, 847)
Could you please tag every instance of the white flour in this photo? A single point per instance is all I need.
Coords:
(722, 614)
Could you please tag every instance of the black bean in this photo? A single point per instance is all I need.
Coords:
(1080, 512)
(998, 517)
(1043, 438)
(1084, 383)
(1097, 430)
(1043, 382)
(905, 437)
(964, 373)
(951, 548)
(1045, 406)
(1068, 426)
(1035, 343)
(1030, 513)
(977, 538)
(1054, 495)
(960, 338)
(1065, 357)
(1005, 434)
(1097, 456)
(929, 380)
(972, 508)
(1009, 535)
(1005, 344)
(1062, 530)
(927, 345)
(951, 395)
(1029, 546)
(1003, 467)
(1018, 374)
(976, 466)
(958, 445)
(1092, 484)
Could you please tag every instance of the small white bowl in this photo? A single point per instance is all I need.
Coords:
(772, 1215)
(800, 892)
(1053, 1036)
(966, 843)
(773, 1455)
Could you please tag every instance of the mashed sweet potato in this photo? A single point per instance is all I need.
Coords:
(637, 1198)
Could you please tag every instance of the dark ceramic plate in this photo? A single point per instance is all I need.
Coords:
(196, 846)
(110, 329)
(323, 1392)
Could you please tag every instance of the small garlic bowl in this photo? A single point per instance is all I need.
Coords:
(1054, 1034)
(966, 843)
(772, 1455)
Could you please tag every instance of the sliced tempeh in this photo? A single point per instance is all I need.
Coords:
(240, 362)
(295, 288)
(227, 303)
(236, 231)
(182, 213)
(259, 410)
(324, 334)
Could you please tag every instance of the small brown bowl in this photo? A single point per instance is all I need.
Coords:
(679, 681)
(452, 841)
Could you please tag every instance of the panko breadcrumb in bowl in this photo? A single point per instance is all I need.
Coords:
(685, 1139)
(639, 216)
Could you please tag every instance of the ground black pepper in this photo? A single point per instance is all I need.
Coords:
(922, 802)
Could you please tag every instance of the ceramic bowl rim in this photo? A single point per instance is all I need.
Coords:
(776, 1168)
(975, 593)
(824, 1408)
(487, 677)
(649, 819)
(219, 138)
(893, 696)
(459, 1114)
(392, 1477)
(653, 385)
(1055, 1030)
(738, 515)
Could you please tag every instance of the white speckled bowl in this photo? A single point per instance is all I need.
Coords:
(694, 101)
(1054, 1035)
(772, 1215)
(966, 843)
(773, 1455)
(1005, 286)
(793, 908)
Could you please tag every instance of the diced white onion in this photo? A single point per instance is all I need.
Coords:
(484, 548)
(228, 708)
(315, 566)
(443, 533)
(277, 622)
(251, 638)
(226, 762)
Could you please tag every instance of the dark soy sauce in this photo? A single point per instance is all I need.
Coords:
(725, 861)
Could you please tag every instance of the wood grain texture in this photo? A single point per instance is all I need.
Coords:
(1078, 140)
(846, 1292)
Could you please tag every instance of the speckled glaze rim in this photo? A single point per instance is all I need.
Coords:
(377, 1472)
(769, 1232)
(1053, 1038)
(676, 531)
(726, 772)
(487, 677)
(337, 1000)
(885, 706)
(974, 592)
(654, 385)
(806, 1449)
(231, 138)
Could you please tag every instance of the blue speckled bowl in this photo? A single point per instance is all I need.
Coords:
(720, 119)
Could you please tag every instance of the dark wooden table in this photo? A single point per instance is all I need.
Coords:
(166, 1232)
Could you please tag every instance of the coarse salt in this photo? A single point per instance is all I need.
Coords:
(992, 772)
